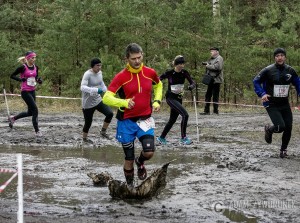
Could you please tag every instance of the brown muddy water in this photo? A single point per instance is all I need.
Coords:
(230, 175)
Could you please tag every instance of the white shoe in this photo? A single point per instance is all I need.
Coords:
(38, 134)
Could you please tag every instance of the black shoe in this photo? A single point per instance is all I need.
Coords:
(11, 121)
(204, 113)
(105, 135)
(129, 180)
(268, 134)
(87, 141)
(216, 112)
(283, 153)
(141, 172)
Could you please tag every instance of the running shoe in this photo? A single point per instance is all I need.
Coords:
(86, 140)
(268, 134)
(283, 153)
(161, 140)
(141, 172)
(186, 141)
(38, 134)
(105, 135)
(204, 113)
(11, 121)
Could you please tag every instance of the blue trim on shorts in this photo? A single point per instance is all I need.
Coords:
(128, 130)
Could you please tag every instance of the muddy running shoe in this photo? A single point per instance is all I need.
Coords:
(86, 140)
(38, 134)
(11, 121)
(38, 137)
(161, 140)
(268, 134)
(141, 172)
(105, 135)
(204, 113)
(283, 153)
(129, 181)
(186, 141)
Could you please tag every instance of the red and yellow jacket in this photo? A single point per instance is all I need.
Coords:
(135, 83)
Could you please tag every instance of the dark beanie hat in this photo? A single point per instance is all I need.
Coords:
(279, 50)
(214, 48)
(95, 61)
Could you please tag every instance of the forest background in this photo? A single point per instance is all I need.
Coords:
(67, 34)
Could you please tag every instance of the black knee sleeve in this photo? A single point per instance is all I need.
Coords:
(109, 117)
(128, 150)
(278, 128)
(147, 143)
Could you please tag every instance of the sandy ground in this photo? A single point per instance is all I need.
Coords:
(230, 175)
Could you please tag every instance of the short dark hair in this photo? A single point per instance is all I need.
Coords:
(133, 48)
(214, 48)
(279, 50)
(95, 61)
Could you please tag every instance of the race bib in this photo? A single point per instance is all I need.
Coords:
(94, 94)
(147, 124)
(281, 91)
(31, 81)
(177, 88)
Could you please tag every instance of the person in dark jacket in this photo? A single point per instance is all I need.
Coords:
(272, 85)
(214, 67)
(176, 78)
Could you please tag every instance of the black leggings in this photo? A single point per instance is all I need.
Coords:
(176, 109)
(282, 119)
(89, 113)
(29, 98)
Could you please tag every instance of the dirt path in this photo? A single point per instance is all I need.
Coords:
(230, 175)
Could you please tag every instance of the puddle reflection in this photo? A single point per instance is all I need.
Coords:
(237, 216)
(53, 181)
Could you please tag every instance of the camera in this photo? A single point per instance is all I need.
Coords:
(204, 63)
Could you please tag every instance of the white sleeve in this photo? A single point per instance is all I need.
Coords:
(84, 84)
(103, 86)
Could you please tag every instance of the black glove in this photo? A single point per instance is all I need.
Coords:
(191, 87)
(39, 80)
(23, 79)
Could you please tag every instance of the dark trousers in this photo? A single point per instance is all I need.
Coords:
(282, 119)
(176, 110)
(32, 110)
(213, 91)
(89, 113)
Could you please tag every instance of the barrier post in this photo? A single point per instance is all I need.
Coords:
(196, 113)
(20, 187)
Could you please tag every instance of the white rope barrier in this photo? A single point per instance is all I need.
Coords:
(186, 101)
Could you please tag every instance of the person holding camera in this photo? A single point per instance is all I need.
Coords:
(28, 72)
(214, 67)
(176, 78)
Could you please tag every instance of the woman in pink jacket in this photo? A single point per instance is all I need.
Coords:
(27, 74)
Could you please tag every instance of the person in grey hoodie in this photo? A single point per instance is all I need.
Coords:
(92, 86)
(214, 67)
